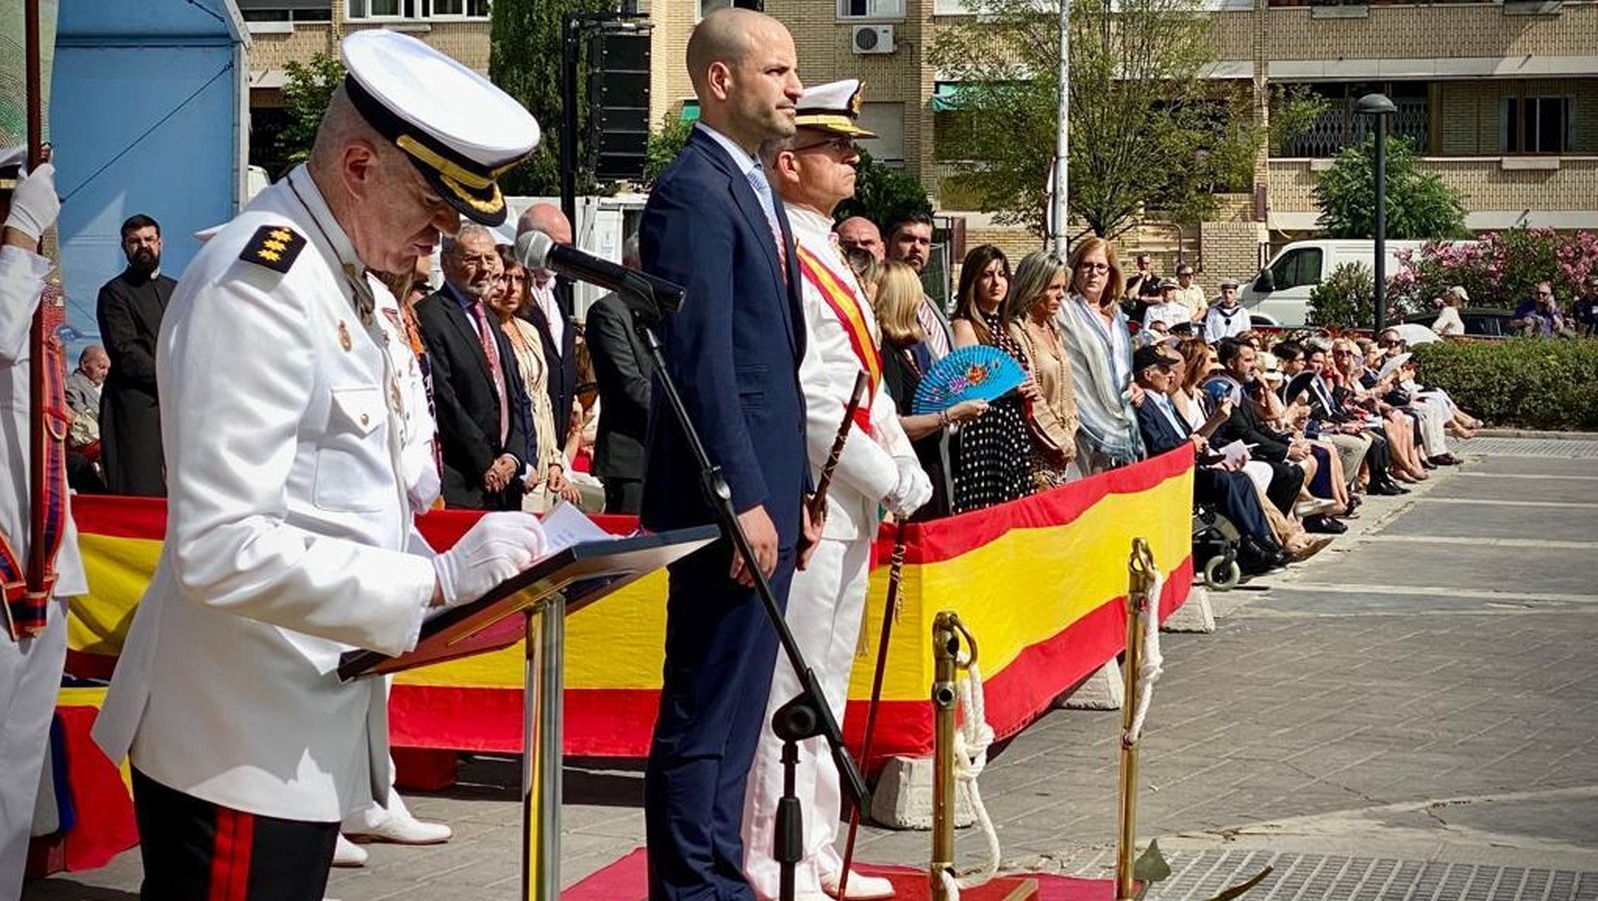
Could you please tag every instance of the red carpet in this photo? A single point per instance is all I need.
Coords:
(624, 881)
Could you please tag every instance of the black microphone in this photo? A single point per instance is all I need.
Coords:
(537, 250)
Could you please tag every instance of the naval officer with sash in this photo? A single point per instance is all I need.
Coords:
(813, 172)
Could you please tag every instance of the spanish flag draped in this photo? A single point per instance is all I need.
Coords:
(1040, 581)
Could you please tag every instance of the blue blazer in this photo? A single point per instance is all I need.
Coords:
(734, 348)
(1159, 435)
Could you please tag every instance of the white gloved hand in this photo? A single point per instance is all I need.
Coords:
(912, 492)
(498, 546)
(34, 206)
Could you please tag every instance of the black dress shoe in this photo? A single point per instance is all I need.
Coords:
(1428, 464)
(1385, 489)
(1322, 524)
(1445, 460)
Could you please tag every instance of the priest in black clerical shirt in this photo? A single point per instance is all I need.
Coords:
(129, 312)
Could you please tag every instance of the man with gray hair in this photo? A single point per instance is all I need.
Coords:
(476, 382)
(293, 488)
(623, 370)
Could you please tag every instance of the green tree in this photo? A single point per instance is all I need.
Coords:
(1146, 131)
(665, 143)
(883, 193)
(524, 59)
(1343, 299)
(1419, 205)
(307, 90)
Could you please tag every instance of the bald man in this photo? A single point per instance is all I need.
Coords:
(858, 232)
(551, 311)
(712, 224)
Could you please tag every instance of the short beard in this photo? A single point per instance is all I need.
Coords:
(137, 265)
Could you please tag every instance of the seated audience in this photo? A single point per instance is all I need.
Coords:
(1216, 480)
(1031, 318)
(1100, 349)
(1235, 381)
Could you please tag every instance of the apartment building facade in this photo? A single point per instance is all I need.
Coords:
(1500, 98)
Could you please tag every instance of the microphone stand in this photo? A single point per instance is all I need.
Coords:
(807, 714)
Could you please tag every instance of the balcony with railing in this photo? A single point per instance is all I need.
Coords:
(1341, 127)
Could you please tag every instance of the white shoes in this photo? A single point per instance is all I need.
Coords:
(1312, 506)
(861, 887)
(404, 829)
(348, 854)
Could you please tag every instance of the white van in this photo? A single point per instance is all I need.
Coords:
(1279, 295)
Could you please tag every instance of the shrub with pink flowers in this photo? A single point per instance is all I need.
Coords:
(1500, 269)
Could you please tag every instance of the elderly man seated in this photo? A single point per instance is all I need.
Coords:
(1217, 481)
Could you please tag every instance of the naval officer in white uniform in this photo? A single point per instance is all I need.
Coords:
(290, 536)
(813, 172)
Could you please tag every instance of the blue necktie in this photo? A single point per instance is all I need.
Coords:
(768, 203)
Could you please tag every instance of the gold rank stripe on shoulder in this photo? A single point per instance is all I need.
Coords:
(273, 246)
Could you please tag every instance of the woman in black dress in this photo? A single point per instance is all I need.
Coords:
(996, 447)
(896, 294)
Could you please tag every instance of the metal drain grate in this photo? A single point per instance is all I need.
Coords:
(1314, 877)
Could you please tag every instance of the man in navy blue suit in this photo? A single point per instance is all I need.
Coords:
(712, 224)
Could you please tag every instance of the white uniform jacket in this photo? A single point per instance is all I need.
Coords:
(1225, 322)
(867, 471)
(289, 534)
(21, 282)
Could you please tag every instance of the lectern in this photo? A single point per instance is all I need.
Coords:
(533, 606)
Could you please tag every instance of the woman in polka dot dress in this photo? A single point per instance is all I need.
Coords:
(995, 447)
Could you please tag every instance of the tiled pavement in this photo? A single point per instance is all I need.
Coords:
(1413, 714)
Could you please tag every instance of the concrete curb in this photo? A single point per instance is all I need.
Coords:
(1194, 616)
(1535, 433)
(1101, 690)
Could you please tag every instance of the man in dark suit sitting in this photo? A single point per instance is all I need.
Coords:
(713, 225)
(1215, 481)
(623, 371)
(1281, 452)
(129, 312)
(476, 383)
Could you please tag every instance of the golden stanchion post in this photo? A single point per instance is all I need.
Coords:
(945, 650)
(1138, 610)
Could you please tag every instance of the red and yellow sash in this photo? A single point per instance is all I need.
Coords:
(849, 307)
(27, 594)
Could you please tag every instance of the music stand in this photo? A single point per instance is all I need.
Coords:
(534, 606)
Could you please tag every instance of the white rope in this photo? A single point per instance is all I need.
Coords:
(971, 742)
(1152, 664)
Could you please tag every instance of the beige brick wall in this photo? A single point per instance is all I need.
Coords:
(274, 51)
(1469, 111)
(1485, 183)
(465, 41)
(673, 21)
(1426, 31)
(1230, 250)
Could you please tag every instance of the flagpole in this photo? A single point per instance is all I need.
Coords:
(38, 425)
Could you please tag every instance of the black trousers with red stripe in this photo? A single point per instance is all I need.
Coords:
(194, 850)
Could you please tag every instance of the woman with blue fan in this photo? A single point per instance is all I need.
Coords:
(906, 359)
(1100, 347)
(1030, 317)
(994, 448)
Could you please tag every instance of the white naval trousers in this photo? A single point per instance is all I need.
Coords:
(30, 677)
(825, 605)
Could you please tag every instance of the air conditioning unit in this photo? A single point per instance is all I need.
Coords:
(873, 39)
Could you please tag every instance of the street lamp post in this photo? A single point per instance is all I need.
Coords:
(1379, 107)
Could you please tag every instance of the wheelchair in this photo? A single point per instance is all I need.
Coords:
(1215, 547)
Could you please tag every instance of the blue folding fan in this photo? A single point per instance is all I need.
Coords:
(979, 372)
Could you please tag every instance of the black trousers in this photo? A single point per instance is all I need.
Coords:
(623, 495)
(1286, 480)
(194, 850)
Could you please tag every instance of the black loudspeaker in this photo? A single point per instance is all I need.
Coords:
(618, 102)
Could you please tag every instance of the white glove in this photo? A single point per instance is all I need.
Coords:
(34, 205)
(912, 492)
(498, 546)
